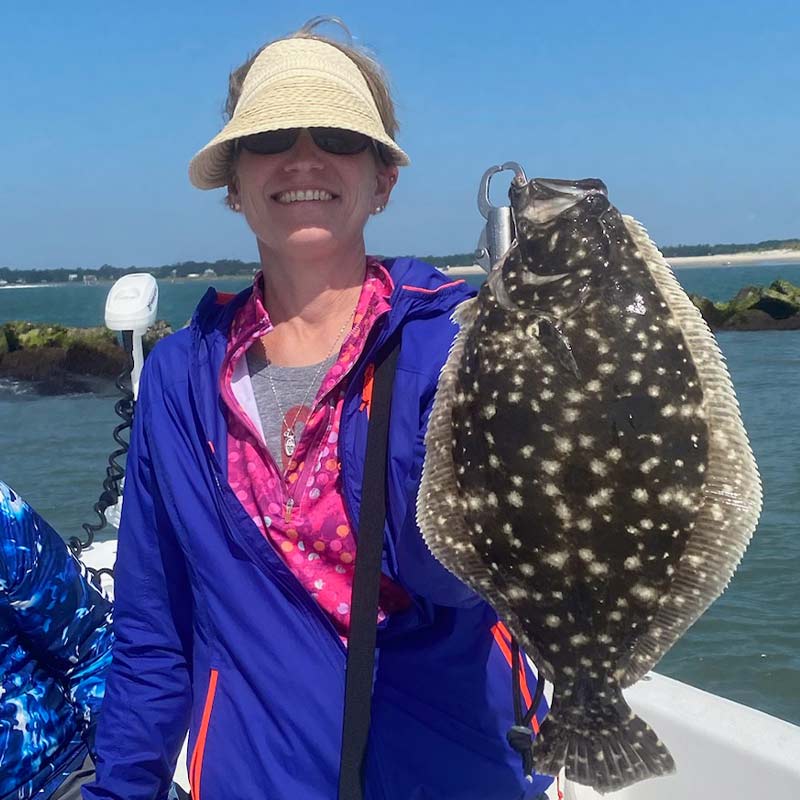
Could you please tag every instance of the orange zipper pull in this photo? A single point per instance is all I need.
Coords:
(366, 392)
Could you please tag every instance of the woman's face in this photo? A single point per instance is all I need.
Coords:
(346, 190)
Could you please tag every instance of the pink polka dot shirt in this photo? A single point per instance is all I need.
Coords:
(298, 506)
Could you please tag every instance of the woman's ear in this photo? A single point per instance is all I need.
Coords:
(233, 196)
(386, 178)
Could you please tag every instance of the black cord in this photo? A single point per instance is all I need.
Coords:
(115, 472)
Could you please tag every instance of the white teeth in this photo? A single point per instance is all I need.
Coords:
(305, 194)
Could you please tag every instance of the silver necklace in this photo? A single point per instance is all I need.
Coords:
(289, 439)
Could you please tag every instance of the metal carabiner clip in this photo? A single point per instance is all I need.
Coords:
(498, 233)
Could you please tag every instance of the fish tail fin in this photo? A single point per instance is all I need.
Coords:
(600, 742)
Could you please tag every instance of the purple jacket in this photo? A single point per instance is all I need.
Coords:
(214, 633)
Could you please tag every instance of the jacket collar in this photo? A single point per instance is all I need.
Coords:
(418, 289)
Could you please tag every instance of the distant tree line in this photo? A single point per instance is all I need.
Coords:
(225, 268)
(674, 251)
(233, 268)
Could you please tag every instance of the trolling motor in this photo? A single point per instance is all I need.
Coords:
(499, 232)
(131, 308)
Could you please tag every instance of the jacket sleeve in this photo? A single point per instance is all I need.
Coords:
(64, 620)
(148, 696)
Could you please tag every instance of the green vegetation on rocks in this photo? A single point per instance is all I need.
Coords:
(58, 359)
(755, 308)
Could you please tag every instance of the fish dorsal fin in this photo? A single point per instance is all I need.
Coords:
(731, 495)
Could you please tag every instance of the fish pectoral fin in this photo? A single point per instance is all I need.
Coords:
(558, 346)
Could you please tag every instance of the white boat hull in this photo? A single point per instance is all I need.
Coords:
(722, 749)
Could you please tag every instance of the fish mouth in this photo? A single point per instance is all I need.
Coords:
(542, 200)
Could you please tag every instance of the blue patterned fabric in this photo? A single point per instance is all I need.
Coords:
(55, 650)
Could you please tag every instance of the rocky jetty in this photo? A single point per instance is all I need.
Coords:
(61, 360)
(755, 308)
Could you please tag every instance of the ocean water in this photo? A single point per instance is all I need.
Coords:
(54, 452)
(78, 305)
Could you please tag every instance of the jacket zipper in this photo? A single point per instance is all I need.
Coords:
(287, 579)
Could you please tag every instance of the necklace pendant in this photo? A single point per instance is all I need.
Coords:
(289, 442)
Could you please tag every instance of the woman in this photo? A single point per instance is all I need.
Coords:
(237, 547)
(55, 651)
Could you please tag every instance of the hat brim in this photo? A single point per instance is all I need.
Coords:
(287, 106)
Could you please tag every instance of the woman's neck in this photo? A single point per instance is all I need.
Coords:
(309, 305)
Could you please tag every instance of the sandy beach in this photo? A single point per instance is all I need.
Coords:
(687, 262)
(738, 259)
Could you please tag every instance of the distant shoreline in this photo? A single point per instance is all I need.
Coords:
(685, 262)
(737, 259)
(678, 262)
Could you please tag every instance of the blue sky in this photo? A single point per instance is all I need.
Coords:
(689, 111)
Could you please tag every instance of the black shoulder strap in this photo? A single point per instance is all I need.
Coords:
(366, 580)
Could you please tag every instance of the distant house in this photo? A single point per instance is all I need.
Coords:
(73, 276)
(3, 283)
(90, 280)
(209, 273)
(193, 275)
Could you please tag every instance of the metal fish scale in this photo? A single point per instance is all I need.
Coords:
(587, 471)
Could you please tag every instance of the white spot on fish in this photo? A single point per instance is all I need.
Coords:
(600, 498)
(643, 592)
(563, 445)
(557, 559)
(650, 464)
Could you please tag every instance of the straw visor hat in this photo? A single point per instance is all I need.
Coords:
(294, 83)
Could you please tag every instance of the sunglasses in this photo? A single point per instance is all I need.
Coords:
(337, 141)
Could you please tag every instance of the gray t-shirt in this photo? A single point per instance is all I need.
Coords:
(295, 397)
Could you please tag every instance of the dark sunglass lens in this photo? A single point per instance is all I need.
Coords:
(339, 142)
(271, 142)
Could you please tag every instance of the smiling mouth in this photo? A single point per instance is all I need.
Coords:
(303, 196)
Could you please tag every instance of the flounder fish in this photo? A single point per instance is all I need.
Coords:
(587, 471)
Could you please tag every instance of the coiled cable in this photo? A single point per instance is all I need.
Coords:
(115, 471)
